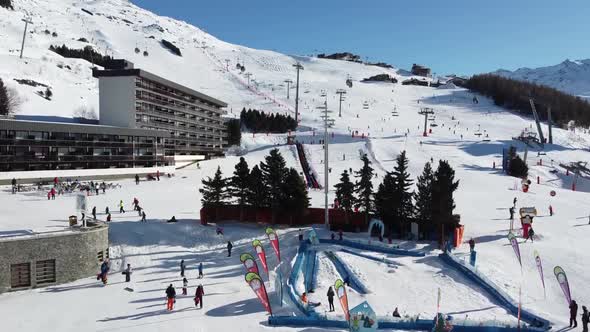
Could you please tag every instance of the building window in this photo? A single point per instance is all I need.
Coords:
(45, 271)
(20, 275)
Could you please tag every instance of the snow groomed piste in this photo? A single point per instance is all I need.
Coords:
(305, 265)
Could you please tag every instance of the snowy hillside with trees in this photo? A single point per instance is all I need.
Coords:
(572, 77)
(378, 123)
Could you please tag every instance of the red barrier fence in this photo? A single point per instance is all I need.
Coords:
(356, 221)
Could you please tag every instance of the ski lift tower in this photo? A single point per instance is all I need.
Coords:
(538, 122)
(289, 82)
(340, 92)
(426, 111)
(299, 67)
(328, 123)
(22, 46)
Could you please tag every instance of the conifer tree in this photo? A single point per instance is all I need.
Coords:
(214, 192)
(443, 187)
(384, 200)
(239, 184)
(274, 173)
(364, 188)
(345, 194)
(295, 199)
(4, 101)
(423, 195)
(402, 202)
(257, 190)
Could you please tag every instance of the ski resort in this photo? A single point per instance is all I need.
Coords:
(156, 178)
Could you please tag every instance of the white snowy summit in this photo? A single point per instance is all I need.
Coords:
(572, 77)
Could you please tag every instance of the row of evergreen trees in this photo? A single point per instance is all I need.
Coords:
(515, 95)
(234, 131)
(431, 204)
(6, 4)
(257, 121)
(271, 184)
(87, 53)
(4, 102)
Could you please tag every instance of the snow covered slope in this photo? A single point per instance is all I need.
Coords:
(572, 77)
(470, 137)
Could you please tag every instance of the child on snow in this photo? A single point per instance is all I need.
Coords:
(199, 296)
(184, 286)
(127, 273)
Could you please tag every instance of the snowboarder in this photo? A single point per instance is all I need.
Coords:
(550, 210)
(109, 217)
(121, 209)
(300, 235)
(200, 270)
(229, 246)
(127, 273)
(173, 219)
(143, 216)
(530, 235)
(585, 319)
(396, 313)
(471, 245)
(170, 296)
(107, 210)
(94, 213)
(331, 298)
(184, 286)
(199, 296)
(573, 314)
(182, 268)
(136, 179)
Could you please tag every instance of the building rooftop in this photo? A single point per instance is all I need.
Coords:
(145, 74)
(10, 124)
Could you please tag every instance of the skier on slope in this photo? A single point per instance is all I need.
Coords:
(170, 297)
(331, 298)
(121, 207)
(229, 247)
(199, 296)
(182, 266)
(200, 270)
(573, 314)
(531, 235)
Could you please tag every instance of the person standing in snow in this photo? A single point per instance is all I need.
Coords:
(200, 270)
(585, 319)
(471, 245)
(104, 271)
(109, 217)
(531, 235)
(550, 210)
(14, 186)
(396, 313)
(184, 286)
(182, 268)
(94, 213)
(136, 179)
(170, 297)
(127, 273)
(121, 209)
(107, 210)
(514, 202)
(300, 235)
(135, 203)
(511, 210)
(199, 296)
(229, 246)
(331, 298)
(573, 314)
(143, 216)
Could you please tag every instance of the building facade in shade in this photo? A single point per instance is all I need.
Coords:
(29, 145)
(135, 98)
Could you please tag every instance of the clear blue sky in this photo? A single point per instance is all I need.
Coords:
(463, 36)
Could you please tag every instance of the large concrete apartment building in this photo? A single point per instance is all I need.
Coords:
(134, 98)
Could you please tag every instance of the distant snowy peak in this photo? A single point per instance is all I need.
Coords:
(572, 77)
